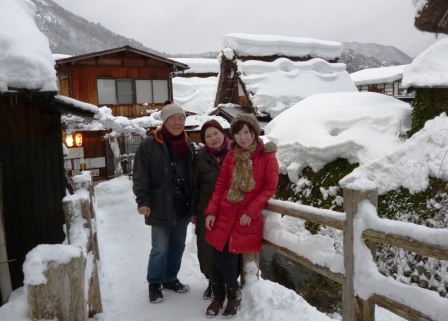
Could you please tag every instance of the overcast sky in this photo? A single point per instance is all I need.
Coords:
(196, 26)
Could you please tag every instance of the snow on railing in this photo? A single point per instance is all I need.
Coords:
(363, 286)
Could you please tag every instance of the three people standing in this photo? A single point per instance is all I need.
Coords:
(162, 184)
(231, 184)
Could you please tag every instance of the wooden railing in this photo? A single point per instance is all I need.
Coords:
(72, 290)
(353, 307)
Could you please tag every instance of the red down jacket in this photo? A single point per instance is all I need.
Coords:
(248, 238)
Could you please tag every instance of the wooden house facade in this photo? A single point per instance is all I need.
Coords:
(125, 79)
(32, 178)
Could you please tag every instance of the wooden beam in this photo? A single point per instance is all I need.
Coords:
(399, 308)
(408, 243)
(306, 215)
(337, 277)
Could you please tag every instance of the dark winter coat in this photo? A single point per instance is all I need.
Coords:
(154, 185)
(206, 170)
(242, 239)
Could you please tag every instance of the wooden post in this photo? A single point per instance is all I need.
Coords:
(94, 293)
(252, 257)
(354, 308)
(63, 296)
(5, 278)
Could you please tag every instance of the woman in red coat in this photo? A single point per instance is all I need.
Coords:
(247, 180)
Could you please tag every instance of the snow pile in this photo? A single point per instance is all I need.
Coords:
(430, 68)
(275, 86)
(26, 61)
(410, 164)
(270, 45)
(195, 94)
(317, 248)
(378, 75)
(38, 260)
(359, 127)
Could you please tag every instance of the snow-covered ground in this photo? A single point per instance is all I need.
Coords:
(125, 243)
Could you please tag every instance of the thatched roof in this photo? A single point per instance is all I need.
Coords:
(433, 17)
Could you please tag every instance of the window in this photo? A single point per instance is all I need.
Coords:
(131, 91)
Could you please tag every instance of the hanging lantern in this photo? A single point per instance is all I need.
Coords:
(69, 140)
(78, 139)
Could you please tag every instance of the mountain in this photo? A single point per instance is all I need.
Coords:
(358, 56)
(73, 35)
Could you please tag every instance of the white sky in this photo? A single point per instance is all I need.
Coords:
(195, 26)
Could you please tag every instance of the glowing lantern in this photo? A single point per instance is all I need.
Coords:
(78, 139)
(69, 140)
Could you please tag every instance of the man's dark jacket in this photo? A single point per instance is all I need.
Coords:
(154, 185)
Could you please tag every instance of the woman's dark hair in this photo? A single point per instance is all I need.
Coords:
(210, 123)
(239, 125)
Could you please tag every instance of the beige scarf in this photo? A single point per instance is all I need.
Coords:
(243, 176)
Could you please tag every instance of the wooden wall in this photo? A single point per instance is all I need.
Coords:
(33, 178)
(78, 80)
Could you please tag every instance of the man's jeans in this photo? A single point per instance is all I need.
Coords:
(168, 244)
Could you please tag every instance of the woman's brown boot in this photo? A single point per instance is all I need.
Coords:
(219, 294)
(233, 301)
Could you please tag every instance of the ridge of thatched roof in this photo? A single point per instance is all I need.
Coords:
(433, 17)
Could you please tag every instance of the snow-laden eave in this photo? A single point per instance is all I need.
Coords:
(270, 45)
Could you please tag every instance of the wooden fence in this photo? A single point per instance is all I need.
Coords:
(72, 290)
(353, 307)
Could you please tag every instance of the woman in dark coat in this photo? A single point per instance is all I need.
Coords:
(247, 180)
(206, 169)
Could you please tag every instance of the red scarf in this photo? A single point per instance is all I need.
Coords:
(177, 144)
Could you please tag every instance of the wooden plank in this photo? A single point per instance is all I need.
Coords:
(305, 215)
(399, 309)
(408, 243)
(5, 278)
(337, 277)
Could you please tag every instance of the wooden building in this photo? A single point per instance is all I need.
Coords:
(127, 80)
(272, 73)
(383, 80)
(32, 179)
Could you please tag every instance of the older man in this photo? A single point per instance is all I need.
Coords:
(162, 177)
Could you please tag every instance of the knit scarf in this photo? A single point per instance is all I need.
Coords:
(218, 152)
(177, 144)
(243, 176)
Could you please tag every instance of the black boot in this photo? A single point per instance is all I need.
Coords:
(176, 286)
(233, 301)
(155, 293)
(208, 292)
(219, 294)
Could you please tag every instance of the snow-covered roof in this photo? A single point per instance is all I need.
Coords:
(275, 86)
(199, 65)
(195, 94)
(324, 127)
(25, 56)
(378, 75)
(430, 68)
(269, 45)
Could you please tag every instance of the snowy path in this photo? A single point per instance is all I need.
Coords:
(124, 242)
